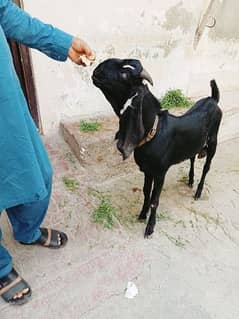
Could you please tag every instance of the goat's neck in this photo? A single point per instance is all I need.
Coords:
(151, 109)
(128, 102)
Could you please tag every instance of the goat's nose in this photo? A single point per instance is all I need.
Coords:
(96, 71)
(122, 150)
(93, 75)
(97, 77)
(120, 147)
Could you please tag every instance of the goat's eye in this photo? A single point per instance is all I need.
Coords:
(124, 75)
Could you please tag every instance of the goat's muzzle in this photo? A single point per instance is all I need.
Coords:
(125, 150)
(97, 82)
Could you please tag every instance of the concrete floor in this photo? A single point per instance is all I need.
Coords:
(187, 270)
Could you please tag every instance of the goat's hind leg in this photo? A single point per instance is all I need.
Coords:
(211, 150)
(212, 146)
(191, 172)
(148, 181)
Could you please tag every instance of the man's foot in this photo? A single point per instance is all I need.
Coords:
(50, 238)
(13, 289)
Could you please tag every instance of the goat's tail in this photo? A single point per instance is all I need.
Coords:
(215, 91)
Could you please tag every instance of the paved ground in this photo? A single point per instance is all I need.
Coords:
(187, 270)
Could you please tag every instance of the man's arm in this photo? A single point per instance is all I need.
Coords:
(20, 26)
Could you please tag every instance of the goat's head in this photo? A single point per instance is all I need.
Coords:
(131, 126)
(117, 79)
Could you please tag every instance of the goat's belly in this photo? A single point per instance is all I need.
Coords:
(188, 147)
(180, 156)
(181, 159)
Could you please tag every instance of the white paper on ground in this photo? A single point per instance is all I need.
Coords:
(131, 291)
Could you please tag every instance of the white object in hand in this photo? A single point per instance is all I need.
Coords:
(85, 60)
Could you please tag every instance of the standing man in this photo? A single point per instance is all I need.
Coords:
(25, 170)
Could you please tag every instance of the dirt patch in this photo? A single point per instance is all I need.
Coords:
(179, 216)
(96, 151)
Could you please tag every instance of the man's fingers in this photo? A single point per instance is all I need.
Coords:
(86, 61)
(89, 54)
(92, 56)
(81, 53)
(81, 61)
(73, 55)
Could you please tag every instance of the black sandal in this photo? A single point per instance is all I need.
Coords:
(12, 284)
(50, 238)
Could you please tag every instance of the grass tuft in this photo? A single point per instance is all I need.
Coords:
(89, 126)
(163, 216)
(175, 99)
(104, 214)
(70, 184)
(184, 178)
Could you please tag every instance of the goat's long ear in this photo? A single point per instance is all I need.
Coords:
(140, 123)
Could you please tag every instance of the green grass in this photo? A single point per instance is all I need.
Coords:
(124, 212)
(71, 184)
(184, 178)
(163, 216)
(89, 126)
(175, 99)
(206, 216)
(104, 214)
(176, 240)
(70, 157)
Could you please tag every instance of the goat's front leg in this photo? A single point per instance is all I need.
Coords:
(158, 184)
(191, 172)
(148, 181)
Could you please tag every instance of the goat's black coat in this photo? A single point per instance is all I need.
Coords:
(177, 137)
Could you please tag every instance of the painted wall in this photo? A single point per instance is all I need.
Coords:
(159, 33)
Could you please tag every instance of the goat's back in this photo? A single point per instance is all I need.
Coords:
(179, 137)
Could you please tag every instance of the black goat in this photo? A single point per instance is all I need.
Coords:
(158, 139)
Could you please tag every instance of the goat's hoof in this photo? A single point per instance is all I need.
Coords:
(197, 196)
(141, 220)
(190, 185)
(148, 231)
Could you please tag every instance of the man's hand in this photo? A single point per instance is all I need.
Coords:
(80, 53)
